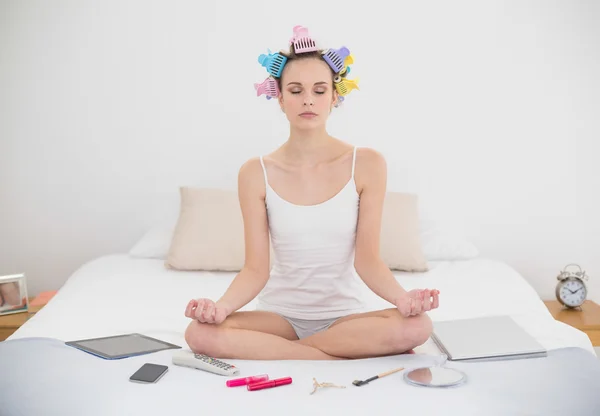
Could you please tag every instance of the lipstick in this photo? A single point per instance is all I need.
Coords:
(246, 380)
(269, 384)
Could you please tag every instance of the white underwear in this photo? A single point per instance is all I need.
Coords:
(308, 327)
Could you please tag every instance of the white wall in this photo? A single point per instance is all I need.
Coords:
(489, 110)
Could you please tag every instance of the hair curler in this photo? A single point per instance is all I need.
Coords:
(336, 58)
(268, 87)
(344, 86)
(274, 62)
(339, 102)
(302, 41)
(347, 62)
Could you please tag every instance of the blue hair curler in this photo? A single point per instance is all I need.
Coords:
(274, 62)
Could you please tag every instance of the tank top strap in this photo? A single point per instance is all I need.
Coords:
(353, 161)
(262, 163)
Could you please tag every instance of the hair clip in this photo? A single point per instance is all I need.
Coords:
(347, 62)
(268, 87)
(302, 41)
(336, 58)
(274, 62)
(344, 86)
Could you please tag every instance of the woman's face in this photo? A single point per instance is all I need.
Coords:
(307, 94)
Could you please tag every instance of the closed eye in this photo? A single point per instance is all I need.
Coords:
(318, 92)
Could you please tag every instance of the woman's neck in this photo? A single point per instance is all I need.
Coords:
(307, 146)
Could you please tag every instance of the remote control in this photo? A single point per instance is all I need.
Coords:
(186, 358)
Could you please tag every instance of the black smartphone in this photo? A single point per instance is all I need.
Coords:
(149, 373)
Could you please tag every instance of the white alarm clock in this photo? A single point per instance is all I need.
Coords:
(571, 290)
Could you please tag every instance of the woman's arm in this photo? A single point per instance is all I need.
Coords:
(255, 273)
(371, 178)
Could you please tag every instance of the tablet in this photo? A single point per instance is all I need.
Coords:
(121, 346)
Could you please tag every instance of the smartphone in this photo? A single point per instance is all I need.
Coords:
(149, 373)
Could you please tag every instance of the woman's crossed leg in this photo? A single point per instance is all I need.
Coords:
(250, 335)
(261, 335)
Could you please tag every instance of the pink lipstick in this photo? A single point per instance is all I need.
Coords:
(269, 384)
(246, 380)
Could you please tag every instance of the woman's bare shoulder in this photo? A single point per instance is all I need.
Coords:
(371, 168)
(368, 158)
(251, 176)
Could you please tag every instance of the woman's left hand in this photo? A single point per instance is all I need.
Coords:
(417, 301)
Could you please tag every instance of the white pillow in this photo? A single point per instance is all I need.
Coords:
(441, 243)
(446, 247)
(155, 243)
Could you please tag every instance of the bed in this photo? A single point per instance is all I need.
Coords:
(119, 294)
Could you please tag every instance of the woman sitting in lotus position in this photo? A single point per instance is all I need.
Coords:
(320, 200)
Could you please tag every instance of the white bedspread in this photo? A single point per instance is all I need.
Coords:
(118, 294)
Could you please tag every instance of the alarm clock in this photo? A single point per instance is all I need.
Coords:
(571, 290)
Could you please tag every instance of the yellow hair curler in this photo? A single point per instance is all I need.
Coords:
(344, 86)
(347, 62)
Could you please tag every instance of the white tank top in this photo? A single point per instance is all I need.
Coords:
(312, 274)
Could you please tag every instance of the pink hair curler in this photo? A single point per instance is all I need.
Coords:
(302, 41)
(268, 87)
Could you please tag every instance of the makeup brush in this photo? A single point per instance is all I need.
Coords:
(367, 381)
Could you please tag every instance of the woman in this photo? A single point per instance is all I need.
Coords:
(320, 200)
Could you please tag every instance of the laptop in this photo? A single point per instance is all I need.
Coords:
(484, 339)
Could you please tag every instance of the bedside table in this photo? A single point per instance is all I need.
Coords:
(10, 323)
(586, 319)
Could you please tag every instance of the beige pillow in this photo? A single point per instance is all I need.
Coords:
(400, 243)
(209, 234)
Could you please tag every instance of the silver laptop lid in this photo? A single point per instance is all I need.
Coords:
(493, 337)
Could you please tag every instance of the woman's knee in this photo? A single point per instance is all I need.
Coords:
(202, 338)
(419, 329)
(412, 332)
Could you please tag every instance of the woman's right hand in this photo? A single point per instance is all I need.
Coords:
(206, 311)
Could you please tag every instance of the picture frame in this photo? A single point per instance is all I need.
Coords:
(13, 294)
